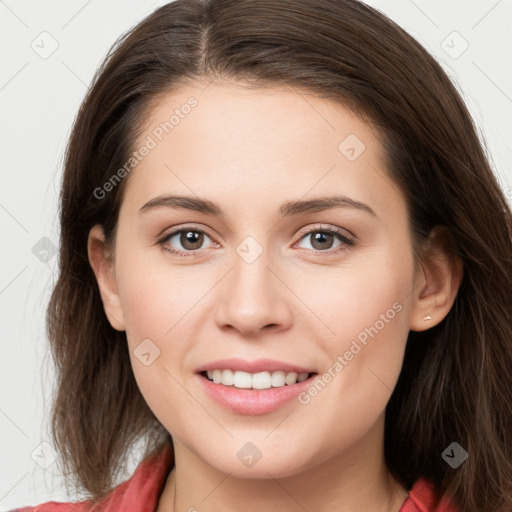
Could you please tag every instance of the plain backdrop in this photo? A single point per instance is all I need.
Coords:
(49, 52)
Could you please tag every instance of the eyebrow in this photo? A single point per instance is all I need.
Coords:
(288, 208)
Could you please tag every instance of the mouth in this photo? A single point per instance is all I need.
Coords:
(254, 392)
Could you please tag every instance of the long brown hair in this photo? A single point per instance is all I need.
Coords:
(456, 383)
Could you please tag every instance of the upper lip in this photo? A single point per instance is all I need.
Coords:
(258, 365)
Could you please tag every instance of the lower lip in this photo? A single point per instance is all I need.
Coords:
(250, 401)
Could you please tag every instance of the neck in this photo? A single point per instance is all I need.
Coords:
(353, 480)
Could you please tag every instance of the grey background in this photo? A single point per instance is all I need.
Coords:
(39, 97)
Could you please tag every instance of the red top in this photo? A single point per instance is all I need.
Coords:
(142, 491)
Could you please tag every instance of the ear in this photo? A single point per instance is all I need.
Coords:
(437, 280)
(103, 267)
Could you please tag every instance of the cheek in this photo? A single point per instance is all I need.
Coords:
(358, 298)
(368, 328)
(155, 295)
(155, 306)
(367, 312)
(161, 305)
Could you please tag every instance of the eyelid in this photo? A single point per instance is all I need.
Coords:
(345, 233)
(182, 227)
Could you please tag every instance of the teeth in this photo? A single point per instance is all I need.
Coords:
(291, 378)
(261, 380)
(278, 379)
(228, 377)
(242, 380)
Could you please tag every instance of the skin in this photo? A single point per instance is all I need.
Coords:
(249, 151)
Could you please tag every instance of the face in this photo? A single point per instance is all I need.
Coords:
(254, 275)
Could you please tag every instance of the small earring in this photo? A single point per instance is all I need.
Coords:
(428, 317)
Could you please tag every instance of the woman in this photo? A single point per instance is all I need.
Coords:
(221, 145)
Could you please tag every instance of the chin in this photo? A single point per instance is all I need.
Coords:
(259, 459)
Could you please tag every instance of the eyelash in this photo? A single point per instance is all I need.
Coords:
(348, 242)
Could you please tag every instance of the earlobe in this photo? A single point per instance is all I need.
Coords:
(103, 268)
(437, 282)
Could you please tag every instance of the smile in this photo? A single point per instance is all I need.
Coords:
(256, 387)
(260, 380)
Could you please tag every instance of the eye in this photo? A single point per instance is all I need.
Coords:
(190, 238)
(322, 240)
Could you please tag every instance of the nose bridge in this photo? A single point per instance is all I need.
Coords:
(253, 296)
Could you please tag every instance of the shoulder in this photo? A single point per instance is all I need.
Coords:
(423, 497)
(144, 488)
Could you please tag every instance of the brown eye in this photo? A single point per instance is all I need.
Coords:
(323, 240)
(184, 241)
(191, 240)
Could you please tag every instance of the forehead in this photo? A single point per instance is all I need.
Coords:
(225, 139)
(232, 111)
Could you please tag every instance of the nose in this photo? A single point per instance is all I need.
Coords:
(254, 297)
